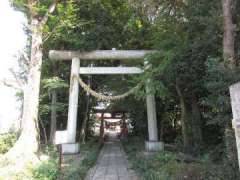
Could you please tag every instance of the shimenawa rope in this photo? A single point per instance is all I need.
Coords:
(102, 97)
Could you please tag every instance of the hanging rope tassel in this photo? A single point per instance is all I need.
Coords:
(102, 97)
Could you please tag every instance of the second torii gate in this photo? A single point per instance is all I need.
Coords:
(70, 145)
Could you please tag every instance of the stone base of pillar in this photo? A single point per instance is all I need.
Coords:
(72, 148)
(152, 146)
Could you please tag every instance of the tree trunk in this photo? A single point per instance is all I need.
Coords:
(230, 58)
(53, 124)
(196, 124)
(53, 116)
(26, 147)
(43, 129)
(229, 33)
(185, 123)
(84, 123)
(190, 122)
(27, 143)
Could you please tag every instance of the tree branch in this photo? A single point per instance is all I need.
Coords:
(50, 10)
(18, 80)
(46, 37)
(12, 84)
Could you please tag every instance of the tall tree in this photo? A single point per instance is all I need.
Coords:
(231, 63)
(27, 144)
(86, 116)
(229, 33)
(182, 34)
(53, 124)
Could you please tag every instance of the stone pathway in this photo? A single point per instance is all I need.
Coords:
(112, 163)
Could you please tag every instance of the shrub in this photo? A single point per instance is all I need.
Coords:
(47, 169)
(160, 165)
(7, 141)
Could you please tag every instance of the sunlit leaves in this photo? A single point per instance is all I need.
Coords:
(54, 83)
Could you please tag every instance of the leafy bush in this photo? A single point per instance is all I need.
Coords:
(48, 169)
(172, 166)
(7, 141)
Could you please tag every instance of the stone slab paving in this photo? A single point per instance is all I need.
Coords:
(112, 163)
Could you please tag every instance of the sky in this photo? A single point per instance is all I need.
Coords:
(12, 40)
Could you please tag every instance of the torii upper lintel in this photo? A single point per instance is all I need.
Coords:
(99, 54)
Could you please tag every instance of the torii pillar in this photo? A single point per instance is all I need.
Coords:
(152, 144)
(235, 102)
(71, 147)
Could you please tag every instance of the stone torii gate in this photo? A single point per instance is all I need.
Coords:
(69, 145)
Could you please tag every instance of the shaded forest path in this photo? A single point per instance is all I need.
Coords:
(112, 163)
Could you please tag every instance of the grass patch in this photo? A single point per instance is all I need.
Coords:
(44, 169)
(48, 167)
(89, 152)
(172, 166)
(77, 166)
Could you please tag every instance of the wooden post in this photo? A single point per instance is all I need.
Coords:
(235, 102)
(102, 128)
(59, 147)
(73, 101)
(53, 116)
(124, 127)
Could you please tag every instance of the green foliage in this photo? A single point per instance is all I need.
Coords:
(172, 165)
(89, 151)
(86, 164)
(20, 5)
(7, 141)
(37, 8)
(217, 81)
(54, 83)
(217, 171)
(47, 169)
(159, 166)
(76, 166)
